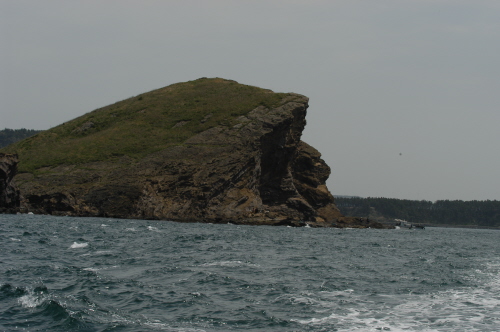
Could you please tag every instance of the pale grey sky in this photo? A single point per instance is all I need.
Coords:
(404, 95)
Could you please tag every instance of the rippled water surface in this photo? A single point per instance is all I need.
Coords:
(91, 274)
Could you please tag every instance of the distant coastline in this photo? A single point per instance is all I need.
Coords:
(441, 213)
(9, 136)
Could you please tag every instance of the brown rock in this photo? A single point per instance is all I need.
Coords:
(9, 194)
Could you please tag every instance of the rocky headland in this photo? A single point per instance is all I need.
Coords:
(209, 150)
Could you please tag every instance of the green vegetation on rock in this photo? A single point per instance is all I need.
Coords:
(143, 124)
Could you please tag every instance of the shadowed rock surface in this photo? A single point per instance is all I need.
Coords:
(9, 194)
(246, 167)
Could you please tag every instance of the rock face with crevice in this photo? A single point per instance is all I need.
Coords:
(9, 194)
(248, 168)
(249, 173)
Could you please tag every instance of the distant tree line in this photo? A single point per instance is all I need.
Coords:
(444, 212)
(9, 136)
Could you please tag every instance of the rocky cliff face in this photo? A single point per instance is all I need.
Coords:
(9, 194)
(245, 174)
(256, 172)
(245, 167)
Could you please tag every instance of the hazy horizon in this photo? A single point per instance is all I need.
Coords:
(403, 95)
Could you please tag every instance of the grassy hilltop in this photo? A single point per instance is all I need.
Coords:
(143, 124)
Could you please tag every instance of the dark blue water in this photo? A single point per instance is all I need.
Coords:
(90, 274)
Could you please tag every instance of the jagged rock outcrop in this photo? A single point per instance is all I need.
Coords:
(9, 194)
(257, 171)
(245, 167)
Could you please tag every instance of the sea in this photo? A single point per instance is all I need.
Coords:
(102, 274)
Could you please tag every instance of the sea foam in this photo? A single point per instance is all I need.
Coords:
(77, 245)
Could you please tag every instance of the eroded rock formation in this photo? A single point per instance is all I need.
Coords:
(9, 194)
(256, 172)
(251, 168)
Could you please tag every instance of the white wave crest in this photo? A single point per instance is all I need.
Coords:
(91, 269)
(77, 245)
(230, 264)
(465, 309)
(30, 301)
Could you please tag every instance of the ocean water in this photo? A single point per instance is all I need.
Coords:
(93, 274)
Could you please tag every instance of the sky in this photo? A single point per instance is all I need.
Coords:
(404, 95)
